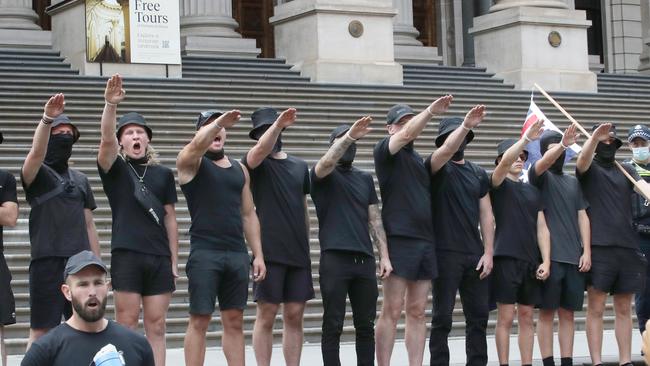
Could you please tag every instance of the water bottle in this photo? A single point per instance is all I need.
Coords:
(108, 356)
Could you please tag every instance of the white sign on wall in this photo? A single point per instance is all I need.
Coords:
(155, 31)
(133, 31)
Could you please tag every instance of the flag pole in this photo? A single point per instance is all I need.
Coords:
(640, 188)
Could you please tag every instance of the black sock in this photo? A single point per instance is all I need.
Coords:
(566, 361)
(527, 364)
(628, 364)
(548, 361)
(503, 364)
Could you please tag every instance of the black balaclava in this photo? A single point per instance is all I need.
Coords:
(59, 149)
(548, 138)
(215, 155)
(460, 153)
(348, 157)
(605, 154)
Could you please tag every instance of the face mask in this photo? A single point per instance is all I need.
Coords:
(460, 153)
(558, 164)
(605, 153)
(641, 153)
(348, 157)
(59, 149)
(278, 145)
(214, 156)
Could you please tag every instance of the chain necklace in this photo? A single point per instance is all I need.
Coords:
(140, 178)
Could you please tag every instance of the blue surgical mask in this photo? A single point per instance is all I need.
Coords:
(641, 153)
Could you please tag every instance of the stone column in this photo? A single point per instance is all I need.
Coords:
(644, 64)
(545, 40)
(207, 26)
(18, 24)
(17, 14)
(506, 4)
(336, 41)
(407, 47)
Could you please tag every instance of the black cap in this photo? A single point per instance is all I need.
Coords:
(447, 126)
(262, 118)
(338, 132)
(397, 112)
(62, 119)
(503, 147)
(612, 133)
(80, 261)
(638, 131)
(132, 118)
(207, 116)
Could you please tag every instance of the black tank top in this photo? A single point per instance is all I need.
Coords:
(214, 201)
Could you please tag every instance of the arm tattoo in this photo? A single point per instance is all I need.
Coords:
(377, 229)
(335, 152)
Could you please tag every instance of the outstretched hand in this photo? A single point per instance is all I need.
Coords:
(360, 128)
(602, 132)
(229, 118)
(535, 130)
(114, 93)
(440, 105)
(570, 136)
(475, 116)
(54, 106)
(286, 118)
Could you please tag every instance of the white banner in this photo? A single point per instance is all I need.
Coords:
(155, 32)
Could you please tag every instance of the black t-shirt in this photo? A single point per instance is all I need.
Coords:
(7, 194)
(214, 201)
(562, 198)
(609, 194)
(279, 187)
(516, 206)
(133, 228)
(342, 199)
(456, 192)
(405, 194)
(64, 346)
(57, 226)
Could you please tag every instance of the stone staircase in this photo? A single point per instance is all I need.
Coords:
(29, 76)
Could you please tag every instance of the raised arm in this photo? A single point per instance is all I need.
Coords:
(379, 238)
(264, 145)
(53, 108)
(544, 244)
(414, 127)
(114, 94)
(569, 138)
(487, 234)
(252, 229)
(511, 155)
(587, 154)
(441, 156)
(585, 234)
(93, 239)
(326, 164)
(189, 159)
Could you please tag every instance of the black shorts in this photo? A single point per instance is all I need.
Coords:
(412, 259)
(284, 284)
(8, 303)
(514, 281)
(217, 274)
(564, 288)
(46, 301)
(617, 270)
(144, 274)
